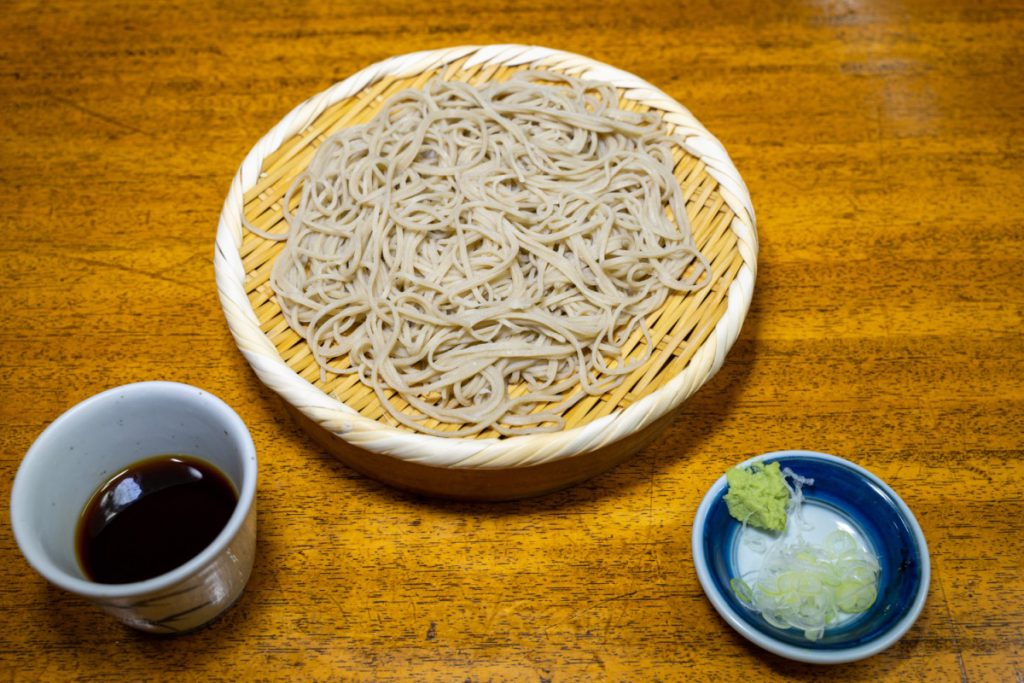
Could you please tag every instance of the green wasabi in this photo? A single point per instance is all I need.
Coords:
(758, 495)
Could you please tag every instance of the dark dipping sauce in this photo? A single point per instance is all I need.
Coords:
(152, 517)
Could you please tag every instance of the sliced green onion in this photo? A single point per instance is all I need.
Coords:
(742, 591)
(806, 587)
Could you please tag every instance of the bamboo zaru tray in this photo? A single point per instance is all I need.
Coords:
(692, 332)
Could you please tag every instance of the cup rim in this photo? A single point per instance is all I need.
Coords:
(91, 589)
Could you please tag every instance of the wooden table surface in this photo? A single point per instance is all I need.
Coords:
(883, 144)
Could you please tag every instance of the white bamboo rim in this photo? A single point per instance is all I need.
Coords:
(518, 451)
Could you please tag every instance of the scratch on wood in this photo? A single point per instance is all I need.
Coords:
(582, 610)
(953, 628)
(97, 115)
(136, 271)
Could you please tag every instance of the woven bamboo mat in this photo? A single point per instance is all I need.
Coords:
(677, 329)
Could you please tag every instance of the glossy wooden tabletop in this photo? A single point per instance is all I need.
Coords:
(883, 145)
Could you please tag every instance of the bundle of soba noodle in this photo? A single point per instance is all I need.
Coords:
(480, 255)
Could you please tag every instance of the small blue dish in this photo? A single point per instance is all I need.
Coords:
(843, 496)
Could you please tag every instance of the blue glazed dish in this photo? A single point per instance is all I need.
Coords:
(843, 495)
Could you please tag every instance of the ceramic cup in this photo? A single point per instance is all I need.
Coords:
(90, 443)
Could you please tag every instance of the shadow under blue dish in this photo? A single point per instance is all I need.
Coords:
(868, 507)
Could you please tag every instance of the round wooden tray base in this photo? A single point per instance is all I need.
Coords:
(482, 484)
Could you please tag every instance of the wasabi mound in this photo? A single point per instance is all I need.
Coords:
(758, 496)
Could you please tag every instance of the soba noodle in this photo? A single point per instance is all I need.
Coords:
(486, 252)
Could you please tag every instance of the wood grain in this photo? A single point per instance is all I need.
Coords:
(882, 144)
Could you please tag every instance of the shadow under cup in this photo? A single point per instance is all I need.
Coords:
(102, 436)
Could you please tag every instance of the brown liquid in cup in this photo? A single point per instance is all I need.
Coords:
(152, 517)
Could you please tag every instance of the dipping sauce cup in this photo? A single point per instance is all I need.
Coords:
(105, 434)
